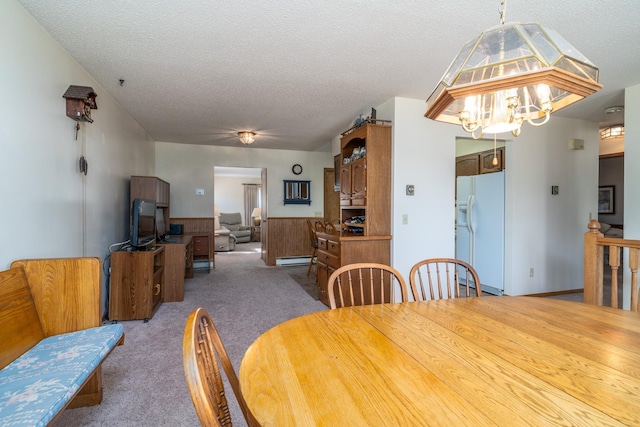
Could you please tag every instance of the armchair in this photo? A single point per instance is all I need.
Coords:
(224, 241)
(233, 223)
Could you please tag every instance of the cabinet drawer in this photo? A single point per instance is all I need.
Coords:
(328, 259)
(333, 247)
(200, 246)
(322, 244)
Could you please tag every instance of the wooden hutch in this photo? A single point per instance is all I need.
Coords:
(141, 280)
(365, 203)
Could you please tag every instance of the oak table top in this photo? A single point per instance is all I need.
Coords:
(474, 361)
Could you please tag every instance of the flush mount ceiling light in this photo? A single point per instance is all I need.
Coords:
(613, 110)
(510, 74)
(612, 132)
(247, 137)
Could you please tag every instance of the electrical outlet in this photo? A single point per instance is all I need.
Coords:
(199, 191)
(531, 272)
(405, 219)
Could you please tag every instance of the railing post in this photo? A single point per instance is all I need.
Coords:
(593, 264)
(634, 260)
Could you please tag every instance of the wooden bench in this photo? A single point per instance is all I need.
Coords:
(595, 264)
(52, 341)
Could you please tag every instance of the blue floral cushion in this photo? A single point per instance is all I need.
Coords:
(38, 384)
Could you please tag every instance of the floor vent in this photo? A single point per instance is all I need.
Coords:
(292, 260)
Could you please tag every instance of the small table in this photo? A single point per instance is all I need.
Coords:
(255, 233)
(472, 361)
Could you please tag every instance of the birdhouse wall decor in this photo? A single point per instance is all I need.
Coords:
(80, 101)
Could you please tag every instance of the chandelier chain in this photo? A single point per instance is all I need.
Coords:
(503, 11)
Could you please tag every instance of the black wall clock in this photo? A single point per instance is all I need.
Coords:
(296, 169)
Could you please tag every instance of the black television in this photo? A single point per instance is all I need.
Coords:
(143, 223)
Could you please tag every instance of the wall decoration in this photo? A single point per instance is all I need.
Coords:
(606, 201)
(80, 101)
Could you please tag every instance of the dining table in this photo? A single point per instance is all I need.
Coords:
(483, 361)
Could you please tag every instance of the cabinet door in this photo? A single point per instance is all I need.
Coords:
(467, 165)
(345, 185)
(486, 161)
(359, 182)
(162, 193)
(323, 277)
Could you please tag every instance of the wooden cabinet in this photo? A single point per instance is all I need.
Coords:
(202, 248)
(365, 180)
(178, 265)
(137, 284)
(151, 188)
(365, 204)
(479, 163)
(335, 250)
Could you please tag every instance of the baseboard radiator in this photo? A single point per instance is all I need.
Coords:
(293, 260)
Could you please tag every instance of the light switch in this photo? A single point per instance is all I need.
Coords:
(199, 191)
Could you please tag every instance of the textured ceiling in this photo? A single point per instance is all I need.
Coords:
(298, 73)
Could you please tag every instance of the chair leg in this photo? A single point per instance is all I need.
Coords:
(313, 255)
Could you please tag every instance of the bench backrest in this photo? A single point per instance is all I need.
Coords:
(67, 292)
(20, 327)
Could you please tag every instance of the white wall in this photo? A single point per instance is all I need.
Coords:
(544, 232)
(187, 167)
(42, 192)
(631, 176)
(631, 161)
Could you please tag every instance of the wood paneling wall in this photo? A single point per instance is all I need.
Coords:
(288, 237)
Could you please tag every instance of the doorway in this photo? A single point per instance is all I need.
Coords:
(241, 192)
(480, 209)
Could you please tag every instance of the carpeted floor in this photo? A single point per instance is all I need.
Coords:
(144, 381)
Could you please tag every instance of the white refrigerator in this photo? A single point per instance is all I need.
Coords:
(480, 227)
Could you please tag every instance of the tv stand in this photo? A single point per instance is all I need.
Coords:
(137, 283)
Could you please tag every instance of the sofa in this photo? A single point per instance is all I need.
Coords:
(233, 223)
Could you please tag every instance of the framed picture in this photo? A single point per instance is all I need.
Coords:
(606, 199)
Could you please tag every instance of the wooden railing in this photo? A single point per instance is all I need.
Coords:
(594, 265)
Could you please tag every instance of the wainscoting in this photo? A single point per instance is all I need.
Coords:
(288, 237)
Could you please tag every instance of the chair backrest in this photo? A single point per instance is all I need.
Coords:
(312, 233)
(201, 347)
(439, 278)
(365, 284)
(329, 227)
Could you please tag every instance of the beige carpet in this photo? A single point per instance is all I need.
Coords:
(144, 381)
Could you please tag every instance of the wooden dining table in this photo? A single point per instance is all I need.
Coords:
(505, 361)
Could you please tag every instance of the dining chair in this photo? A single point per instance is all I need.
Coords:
(365, 284)
(314, 244)
(201, 347)
(439, 278)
